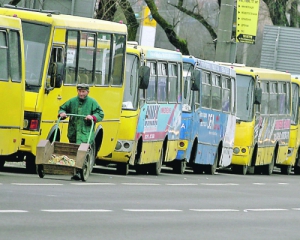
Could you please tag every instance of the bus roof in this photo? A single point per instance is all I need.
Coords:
(10, 22)
(56, 19)
(160, 54)
(262, 73)
(209, 65)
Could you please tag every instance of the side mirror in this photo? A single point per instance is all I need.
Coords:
(196, 80)
(57, 74)
(257, 96)
(144, 75)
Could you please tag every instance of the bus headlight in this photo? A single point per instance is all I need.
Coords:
(236, 150)
(126, 145)
(243, 150)
(118, 146)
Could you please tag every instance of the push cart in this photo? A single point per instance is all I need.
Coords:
(60, 158)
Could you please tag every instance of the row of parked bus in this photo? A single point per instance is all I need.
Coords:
(161, 108)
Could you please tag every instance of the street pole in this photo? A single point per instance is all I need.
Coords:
(224, 43)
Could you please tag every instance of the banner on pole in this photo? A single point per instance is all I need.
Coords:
(246, 23)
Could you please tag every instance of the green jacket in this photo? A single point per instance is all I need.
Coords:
(79, 129)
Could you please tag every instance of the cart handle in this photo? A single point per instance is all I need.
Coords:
(76, 115)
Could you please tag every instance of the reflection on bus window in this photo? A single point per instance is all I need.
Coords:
(71, 59)
(265, 98)
(102, 68)
(226, 94)
(216, 92)
(295, 99)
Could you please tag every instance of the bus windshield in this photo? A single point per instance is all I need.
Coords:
(130, 92)
(245, 89)
(187, 96)
(295, 104)
(36, 39)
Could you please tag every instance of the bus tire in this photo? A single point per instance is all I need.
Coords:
(286, 169)
(239, 169)
(211, 169)
(179, 166)
(268, 169)
(30, 164)
(123, 168)
(2, 162)
(155, 168)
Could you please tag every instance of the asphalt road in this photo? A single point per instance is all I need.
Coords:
(145, 207)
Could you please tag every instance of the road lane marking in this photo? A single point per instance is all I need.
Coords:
(141, 184)
(220, 184)
(283, 183)
(265, 209)
(215, 210)
(37, 184)
(13, 211)
(259, 184)
(182, 184)
(94, 184)
(75, 210)
(152, 210)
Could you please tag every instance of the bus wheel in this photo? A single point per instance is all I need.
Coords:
(268, 169)
(179, 166)
(286, 169)
(2, 162)
(155, 168)
(123, 168)
(240, 169)
(30, 164)
(198, 168)
(211, 169)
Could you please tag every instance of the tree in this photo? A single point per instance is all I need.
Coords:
(180, 44)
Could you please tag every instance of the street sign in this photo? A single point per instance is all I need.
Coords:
(247, 18)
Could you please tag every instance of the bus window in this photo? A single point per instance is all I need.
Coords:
(286, 90)
(56, 56)
(295, 104)
(71, 59)
(187, 95)
(118, 57)
(86, 56)
(15, 54)
(232, 95)
(102, 70)
(151, 91)
(206, 90)
(162, 82)
(226, 94)
(4, 56)
(173, 80)
(273, 98)
(216, 92)
(265, 98)
(131, 88)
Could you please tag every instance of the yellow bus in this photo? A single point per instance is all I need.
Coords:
(151, 112)
(62, 51)
(12, 88)
(263, 119)
(294, 143)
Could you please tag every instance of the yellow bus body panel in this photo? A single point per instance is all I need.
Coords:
(12, 98)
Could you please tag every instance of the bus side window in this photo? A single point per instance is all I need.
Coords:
(162, 82)
(151, 90)
(273, 98)
(71, 57)
(56, 56)
(172, 83)
(216, 92)
(15, 54)
(206, 90)
(118, 60)
(226, 83)
(265, 98)
(3, 56)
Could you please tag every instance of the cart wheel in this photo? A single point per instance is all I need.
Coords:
(85, 171)
(40, 171)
